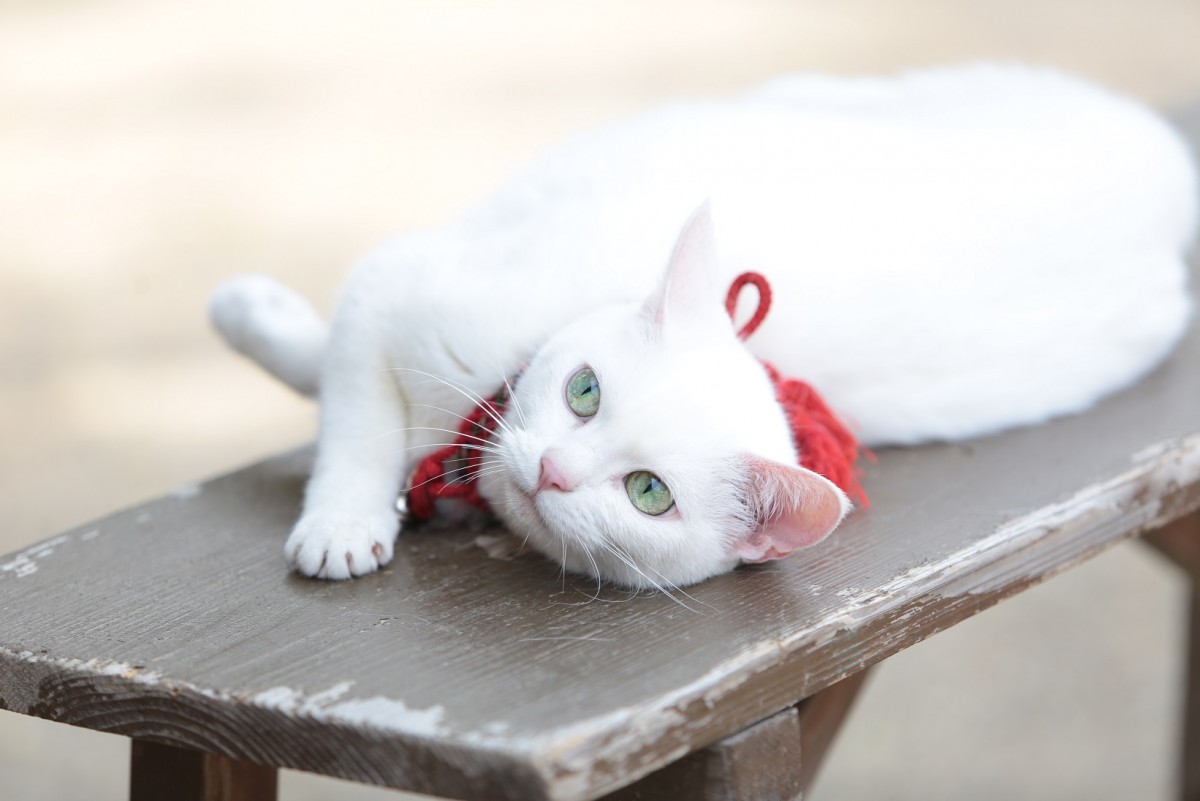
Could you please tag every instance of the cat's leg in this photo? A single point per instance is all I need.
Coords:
(350, 523)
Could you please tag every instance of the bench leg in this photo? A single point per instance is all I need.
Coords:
(821, 718)
(1180, 541)
(166, 773)
(776, 758)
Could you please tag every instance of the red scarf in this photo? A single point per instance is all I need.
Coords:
(824, 443)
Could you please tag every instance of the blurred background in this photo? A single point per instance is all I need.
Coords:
(150, 149)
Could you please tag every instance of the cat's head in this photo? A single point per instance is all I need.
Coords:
(647, 447)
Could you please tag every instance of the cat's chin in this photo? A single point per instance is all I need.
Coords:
(568, 542)
(616, 571)
(612, 564)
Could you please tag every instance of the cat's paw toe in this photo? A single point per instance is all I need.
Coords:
(338, 547)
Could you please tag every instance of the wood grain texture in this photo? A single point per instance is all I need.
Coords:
(761, 763)
(773, 760)
(458, 675)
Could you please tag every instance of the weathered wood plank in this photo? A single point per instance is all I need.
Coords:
(165, 773)
(777, 758)
(455, 674)
(756, 764)
(394, 679)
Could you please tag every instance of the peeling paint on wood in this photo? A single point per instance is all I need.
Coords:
(25, 563)
(185, 492)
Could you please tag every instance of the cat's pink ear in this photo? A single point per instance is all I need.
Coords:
(793, 508)
(688, 290)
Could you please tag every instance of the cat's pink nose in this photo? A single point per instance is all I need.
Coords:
(552, 477)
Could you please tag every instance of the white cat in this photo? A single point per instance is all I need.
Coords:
(952, 252)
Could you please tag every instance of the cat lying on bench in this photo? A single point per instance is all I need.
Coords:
(951, 253)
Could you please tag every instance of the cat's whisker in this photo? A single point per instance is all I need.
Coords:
(467, 445)
(597, 599)
(563, 565)
(628, 560)
(516, 402)
(490, 462)
(434, 446)
(679, 589)
(480, 473)
(475, 398)
(438, 408)
(449, 472)
(596, 570)
(624, 558)
(458, 445)
(435, 428)
(630, 594)
(430, 480)
(672, 585)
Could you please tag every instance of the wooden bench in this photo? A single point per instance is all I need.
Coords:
(457, 675)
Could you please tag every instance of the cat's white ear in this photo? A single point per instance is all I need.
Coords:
(793, 508)
(688, 290)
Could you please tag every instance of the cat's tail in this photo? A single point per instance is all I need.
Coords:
(273, 325)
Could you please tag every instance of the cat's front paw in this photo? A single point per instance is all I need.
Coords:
(338, 546)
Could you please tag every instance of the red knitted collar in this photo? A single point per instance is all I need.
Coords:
(826, 446)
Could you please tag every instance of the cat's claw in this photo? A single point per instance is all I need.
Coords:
(340, 546)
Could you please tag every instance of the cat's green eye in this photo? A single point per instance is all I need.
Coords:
(648, 493)
(583, 392)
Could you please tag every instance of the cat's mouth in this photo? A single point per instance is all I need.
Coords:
(527, 501)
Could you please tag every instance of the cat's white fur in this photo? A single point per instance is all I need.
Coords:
(952, 252)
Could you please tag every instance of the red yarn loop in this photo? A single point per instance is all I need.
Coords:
(764, 301)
